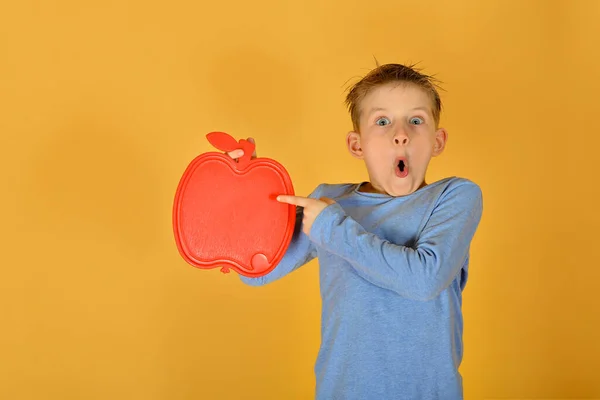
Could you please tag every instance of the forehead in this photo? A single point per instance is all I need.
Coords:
(396, 95)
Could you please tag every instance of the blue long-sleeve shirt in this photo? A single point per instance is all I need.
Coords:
(392, 272)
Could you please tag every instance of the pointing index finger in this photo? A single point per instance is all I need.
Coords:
(296, 200)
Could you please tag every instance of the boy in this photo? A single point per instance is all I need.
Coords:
(393, 251)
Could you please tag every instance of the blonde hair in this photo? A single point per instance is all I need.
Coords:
(390, 73)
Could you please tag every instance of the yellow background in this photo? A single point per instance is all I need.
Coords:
(104, 103)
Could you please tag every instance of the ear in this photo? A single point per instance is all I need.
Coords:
(441, 138)
(353, 143)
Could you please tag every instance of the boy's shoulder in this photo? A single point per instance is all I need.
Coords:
(334, 190)
(457, 184)
(439, 188)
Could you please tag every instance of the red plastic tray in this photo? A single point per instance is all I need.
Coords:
(225, 213)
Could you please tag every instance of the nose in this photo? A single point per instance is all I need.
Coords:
(400, 137)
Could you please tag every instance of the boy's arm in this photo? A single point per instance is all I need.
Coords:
(420, 272)
(300, 251)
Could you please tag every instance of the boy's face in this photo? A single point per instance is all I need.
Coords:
(397, 138)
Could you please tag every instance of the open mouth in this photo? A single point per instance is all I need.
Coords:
(401, 168)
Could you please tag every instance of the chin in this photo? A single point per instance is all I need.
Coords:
(398, 193)
(399, 189)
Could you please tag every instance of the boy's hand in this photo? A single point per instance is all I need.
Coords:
(312, 208)
(235, 154)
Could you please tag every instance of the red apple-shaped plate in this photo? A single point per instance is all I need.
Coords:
(226, 213)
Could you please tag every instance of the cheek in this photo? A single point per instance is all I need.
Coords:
(421, 154)
(373, 160)
(376, 144)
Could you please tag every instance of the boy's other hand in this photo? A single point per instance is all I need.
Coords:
(312, 208)
(235, 154)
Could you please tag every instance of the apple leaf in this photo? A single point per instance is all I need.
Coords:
(223, 141)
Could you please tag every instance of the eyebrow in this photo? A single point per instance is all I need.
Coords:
(384, 109)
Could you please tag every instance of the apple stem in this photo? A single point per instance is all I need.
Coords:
(248, 148)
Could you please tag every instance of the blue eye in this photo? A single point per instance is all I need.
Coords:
(383, 121)
(416, 121)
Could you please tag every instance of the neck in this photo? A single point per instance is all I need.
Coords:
(367, 187)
